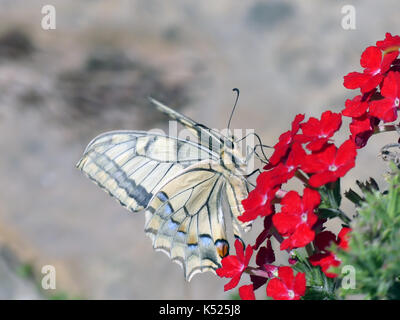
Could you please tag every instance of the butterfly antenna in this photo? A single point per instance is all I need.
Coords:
(234, 107)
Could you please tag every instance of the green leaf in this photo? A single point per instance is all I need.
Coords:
(331, 194)
(369, 186)
(330, 213)
(354, 197)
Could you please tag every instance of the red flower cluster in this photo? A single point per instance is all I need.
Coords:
(379, 84)
(307, 152)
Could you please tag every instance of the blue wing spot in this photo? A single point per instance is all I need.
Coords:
(168, 209)
(192, 246)
(181, 236)
(205, 240)
(172, 225)
(162, 196)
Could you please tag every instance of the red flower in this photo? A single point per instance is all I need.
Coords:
(258, 201)
(288, 167)
(374, 69)
(326, 259)
(356, 107)
(319, 131)
(297, 218)
(234, 266)
(287, 287)
(285, 141)
(276, 176)
(390, 43)
(300, 238)
(324, 239)
(330, 164)
(362, 129)
(246, 292)
(386, 109)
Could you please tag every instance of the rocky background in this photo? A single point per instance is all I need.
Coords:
(60, 88)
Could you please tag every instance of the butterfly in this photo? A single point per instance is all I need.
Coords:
(182, 185)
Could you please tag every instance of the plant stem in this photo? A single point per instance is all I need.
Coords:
(309, 249)
(301, 176)
(256, 272)
(386, 128)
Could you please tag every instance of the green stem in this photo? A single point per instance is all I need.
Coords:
(309, 249)
(344, 217)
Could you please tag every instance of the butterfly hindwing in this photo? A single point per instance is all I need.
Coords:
(185, 218)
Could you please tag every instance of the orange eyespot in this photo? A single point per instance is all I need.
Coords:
(222, 248)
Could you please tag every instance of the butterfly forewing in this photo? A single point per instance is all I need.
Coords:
(130, 165)
(205, 136)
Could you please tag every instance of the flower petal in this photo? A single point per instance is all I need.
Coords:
(246, 292)
(277, 290)
(300, 284)
(286, 275)
(233, 283)
(383, 109)
(371, 58)
(355, 80)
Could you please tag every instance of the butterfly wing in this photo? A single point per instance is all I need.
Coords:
(182, 184)
(131, 165)
(185, 218)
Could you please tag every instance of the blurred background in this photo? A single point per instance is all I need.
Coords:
(60, 88)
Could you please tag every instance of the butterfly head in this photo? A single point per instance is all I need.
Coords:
(232, 159)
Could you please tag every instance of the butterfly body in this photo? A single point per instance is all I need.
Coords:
(181, 185)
